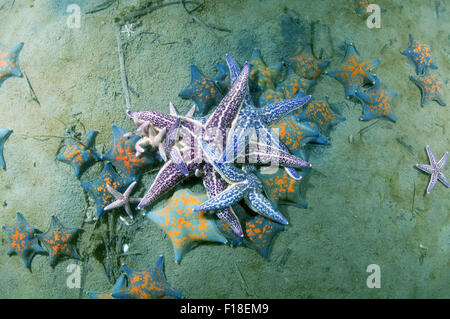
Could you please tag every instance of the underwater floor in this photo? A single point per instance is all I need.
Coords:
(367, 202)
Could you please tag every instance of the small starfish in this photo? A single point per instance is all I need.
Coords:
(185, 226)
(377, 102)
(262, 75)
(431, 88)
(128, 29)
(320, 113)
(149, 137)
(123, 156)
(9, 62)
(362, 8)
(353, 72)
(58, 240)
(79, 154)
(306, 65)
(123, 200)
(98, 189)
(119, 286)
(420, 54)
(147, 284)
(4, 134)
(202, 90)
(435, 169)
(23, 240)
(243, 184)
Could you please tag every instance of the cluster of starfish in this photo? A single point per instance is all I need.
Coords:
(431, 87)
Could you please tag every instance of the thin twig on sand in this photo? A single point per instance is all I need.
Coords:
(123, 75)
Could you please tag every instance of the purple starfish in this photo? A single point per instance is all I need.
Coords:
(435, 169)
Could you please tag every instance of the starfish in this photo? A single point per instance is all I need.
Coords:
(306, 65)
(148, 138)
(377, 102)
(58, 241)
(296, 86)
(98, 187)
(320, 113)
(259, 232)
(296, 134)
(243, 185)
(202, 90)
(128, 29)
(23, 240)
(123, 156)
(119, 286)
(431, 88)
(270, 96)
(420, 54)
(4, 134)
(123, 200)
(79, 154)
(262, 75)
(147, 284)
(223, 79)
(435, 169)
(353, 72)
(213, 128)
(362, 8)
(186, 227)
(9, 62)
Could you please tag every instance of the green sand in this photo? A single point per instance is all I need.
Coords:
(360, 195)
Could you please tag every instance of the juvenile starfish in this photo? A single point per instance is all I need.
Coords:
(58, 241)
(23, 241)
(123, 200)
(79, 154)
(262, 75)
(320, 113)
(4, 134)
(185, 226)
(306, 65)
(202, 90)
(243, 185)
(98, 187)
(9, 62)
(119, 286)
(435, 169)
(353, 72)
(420, 54)
(431, 88)
(377, 102)
(147, 284)
(123, 156)
(128, 29)
(148, 138)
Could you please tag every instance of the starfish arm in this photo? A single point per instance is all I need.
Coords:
(264, 207)
(442, 161)
(273, 112)
(162, 152)
(229, 216)
(266, 154)
(168, 177)
(433, 181)
(114, 192)
(233, 67)
(128, 210)
(135, 199)
(176, 157)
(129, 190)
(191, 111)
(442, 178)
(426, 168)
(228, 197)
(431, 156)
(157, 119)
(116, 204)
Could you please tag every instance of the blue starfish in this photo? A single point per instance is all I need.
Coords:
(23, 240)
(147, 284)
(320, 113)
(79, 154)
(9, 62)
(296, 86)
(430, 87)
(270, 96)
(252, 119)
(202, 90)
(98, 189)
(306, 65)
(119, 286)
(4, 134)
(122, 154)
(377, 102)
(353, 72)
(58, 241)
(420, 54)
(243, 184)
(259, 232)
(263, 76)
(223, 79)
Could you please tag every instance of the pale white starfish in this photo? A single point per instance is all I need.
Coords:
(123, 200)
(435, 169)
(128, 29)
